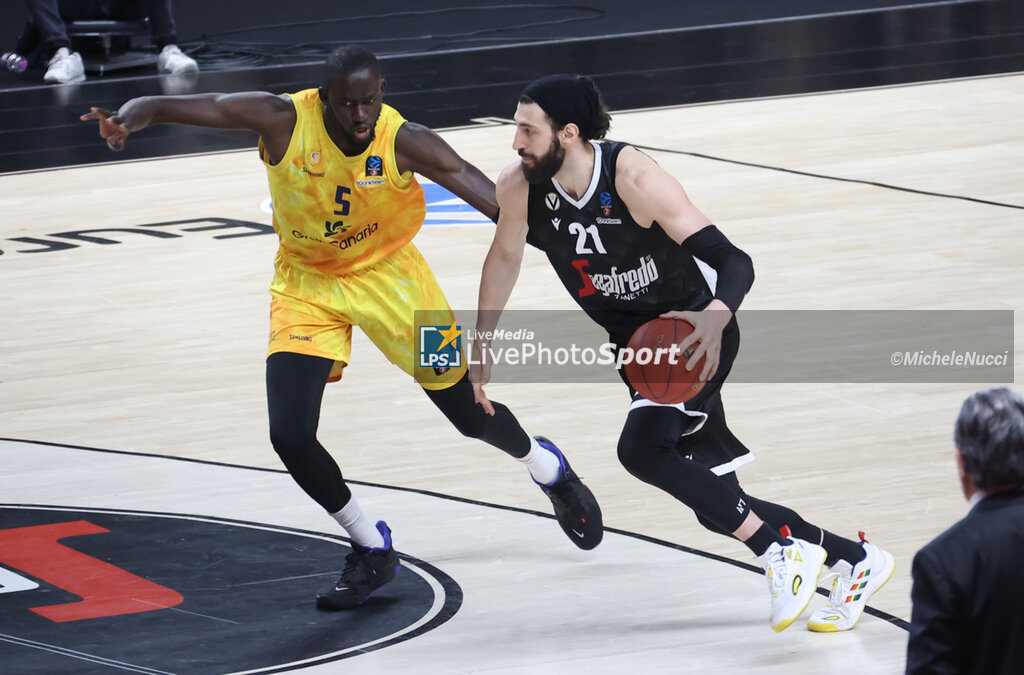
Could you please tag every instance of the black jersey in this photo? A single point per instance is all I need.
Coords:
(620, 273)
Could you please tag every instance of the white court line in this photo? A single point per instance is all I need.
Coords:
(80, 655)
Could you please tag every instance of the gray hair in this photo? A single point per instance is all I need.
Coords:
(989, 435)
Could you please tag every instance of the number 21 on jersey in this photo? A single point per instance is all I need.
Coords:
(582, 244)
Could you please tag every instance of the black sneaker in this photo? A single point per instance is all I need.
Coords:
(575, 507)
(366, 570)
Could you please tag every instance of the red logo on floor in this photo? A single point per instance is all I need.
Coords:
(105, 589)
(163, 592)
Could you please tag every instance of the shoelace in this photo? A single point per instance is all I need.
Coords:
(840, 589)
(776, 562)
(352, 561)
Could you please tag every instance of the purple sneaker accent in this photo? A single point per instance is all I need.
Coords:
(548, 445)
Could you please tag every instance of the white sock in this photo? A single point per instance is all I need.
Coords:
(542, 464)
(358, 526)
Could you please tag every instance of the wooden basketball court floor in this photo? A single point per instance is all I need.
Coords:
(153, 347)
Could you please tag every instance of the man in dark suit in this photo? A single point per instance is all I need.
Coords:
(968, 593)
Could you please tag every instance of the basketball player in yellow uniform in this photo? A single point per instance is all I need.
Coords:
(341, 168)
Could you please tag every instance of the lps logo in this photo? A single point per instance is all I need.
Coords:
(440, 347)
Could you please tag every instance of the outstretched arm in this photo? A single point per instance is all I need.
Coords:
(419, 149)
(653, 195)
(500, 272)
(269, 115)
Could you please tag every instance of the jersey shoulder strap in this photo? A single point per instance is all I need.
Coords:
(609, 156)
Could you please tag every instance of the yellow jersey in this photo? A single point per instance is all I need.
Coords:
(333, 213)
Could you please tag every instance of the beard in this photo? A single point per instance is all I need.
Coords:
(546, 166)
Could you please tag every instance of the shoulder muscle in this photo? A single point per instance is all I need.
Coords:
(512, 190)
(652, 194)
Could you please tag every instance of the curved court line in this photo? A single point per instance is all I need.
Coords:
(447, 600)
(885, 616)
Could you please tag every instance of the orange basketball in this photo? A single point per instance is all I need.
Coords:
(652, 372)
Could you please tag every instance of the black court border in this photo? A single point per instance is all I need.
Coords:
(885, 616)
(453, 595)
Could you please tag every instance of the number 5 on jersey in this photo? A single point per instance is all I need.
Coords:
(339, 198)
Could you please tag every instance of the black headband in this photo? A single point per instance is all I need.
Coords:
(567, 99)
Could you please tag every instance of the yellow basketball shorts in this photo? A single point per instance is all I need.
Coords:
(313, 313)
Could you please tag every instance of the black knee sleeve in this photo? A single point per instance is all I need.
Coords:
(295, 384)
(647, 449)
(734, 485)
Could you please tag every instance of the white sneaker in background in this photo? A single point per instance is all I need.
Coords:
(792, 573)
(173, 61)
(65, 67)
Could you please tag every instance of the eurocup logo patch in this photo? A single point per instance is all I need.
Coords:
(606, 203)
(374, 166)
(440, 347)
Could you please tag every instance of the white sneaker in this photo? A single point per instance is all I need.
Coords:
(65, 67)
(172, 60)
(851, 590)
(792, 573)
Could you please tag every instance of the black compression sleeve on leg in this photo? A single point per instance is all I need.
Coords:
(295, 387)
(734, 267)
(501, 430)
(734, 484)
(647, 449)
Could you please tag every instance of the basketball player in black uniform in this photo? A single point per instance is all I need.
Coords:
(622, 236)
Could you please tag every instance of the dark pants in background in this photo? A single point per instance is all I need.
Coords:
(46, 32)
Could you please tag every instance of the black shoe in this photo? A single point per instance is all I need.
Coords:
(366, 570)
(575, 507)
